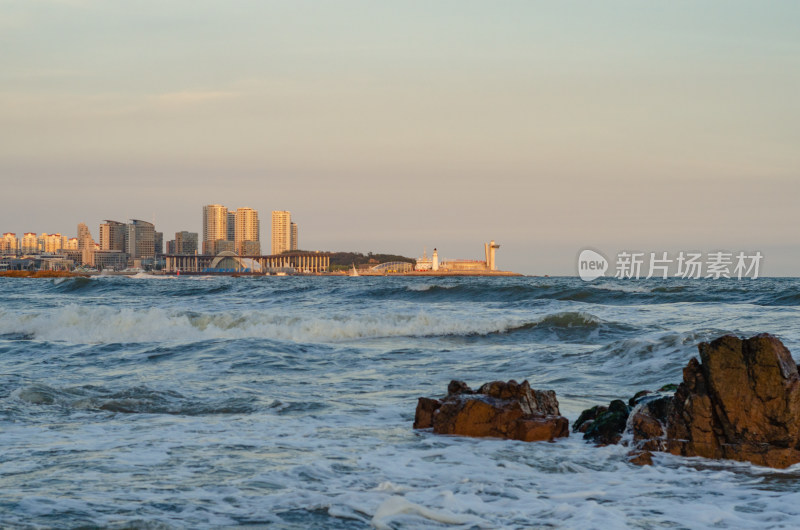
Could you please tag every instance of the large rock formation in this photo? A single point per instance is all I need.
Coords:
(501, 410)
(740, 402)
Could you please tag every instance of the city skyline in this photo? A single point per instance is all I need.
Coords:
(223, 229)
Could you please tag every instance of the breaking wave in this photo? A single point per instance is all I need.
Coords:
(102, 324)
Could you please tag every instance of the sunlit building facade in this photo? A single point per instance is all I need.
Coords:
(295, 243)
(29, 243)
(247, 234)
(86, 244)
(281, 231)
(9, 244)
(215, 227)
(51, 243)
(112, 235)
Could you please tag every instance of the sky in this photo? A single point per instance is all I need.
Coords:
(394, 127)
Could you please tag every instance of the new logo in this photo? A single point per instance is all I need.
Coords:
(591, 265)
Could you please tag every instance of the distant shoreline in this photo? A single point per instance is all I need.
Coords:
(67, 274)
(41, 274)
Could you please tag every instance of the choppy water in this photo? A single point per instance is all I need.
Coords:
(214, 402)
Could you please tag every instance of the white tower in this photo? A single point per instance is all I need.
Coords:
(492, 247)
(435, 260)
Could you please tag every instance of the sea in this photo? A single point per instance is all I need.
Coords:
(287, 402)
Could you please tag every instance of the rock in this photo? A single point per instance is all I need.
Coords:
(649, 423)
(458, 387)
(608, 427)
(498, 409)
(587, 417)
(641, 458)
(638, 396)
(423, 418)
(741, 401)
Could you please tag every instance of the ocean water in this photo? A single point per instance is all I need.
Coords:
(287, 402)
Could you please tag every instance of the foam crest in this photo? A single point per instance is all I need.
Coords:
(103, 324)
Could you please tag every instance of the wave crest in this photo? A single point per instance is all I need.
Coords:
(103, 324)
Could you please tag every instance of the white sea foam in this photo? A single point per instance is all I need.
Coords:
(102, 324)
(396, 505)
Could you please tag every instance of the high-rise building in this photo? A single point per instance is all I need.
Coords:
(158, 244)
(231, 225)
(112, 235)
(247, 232)
(85, 244)
(141, 239)
(185, 243)
(281, 231)
(215, 227)
(71, 244)
(30, 243)
(9, 244)
(294, 236)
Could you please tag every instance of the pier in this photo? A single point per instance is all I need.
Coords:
(306, 262)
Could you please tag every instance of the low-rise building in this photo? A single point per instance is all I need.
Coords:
(110, 260)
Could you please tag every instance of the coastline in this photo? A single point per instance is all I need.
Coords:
(42, 274)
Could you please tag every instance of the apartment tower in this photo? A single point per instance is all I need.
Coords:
(141, 239)
(281, 231)
(215, 227)
(185, 242)
(247, 233)
(85, 244)
(112, 235)
(9, 244)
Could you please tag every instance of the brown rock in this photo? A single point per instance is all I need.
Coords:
(498, 409)
(741, 403)
(649, 424)
(641, 458)
(423, 418)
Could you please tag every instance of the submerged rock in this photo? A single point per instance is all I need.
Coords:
(604, 425)
(498, 409)
(587, 417)
(607, 427)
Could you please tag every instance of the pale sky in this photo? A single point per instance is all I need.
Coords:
(393, 126)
